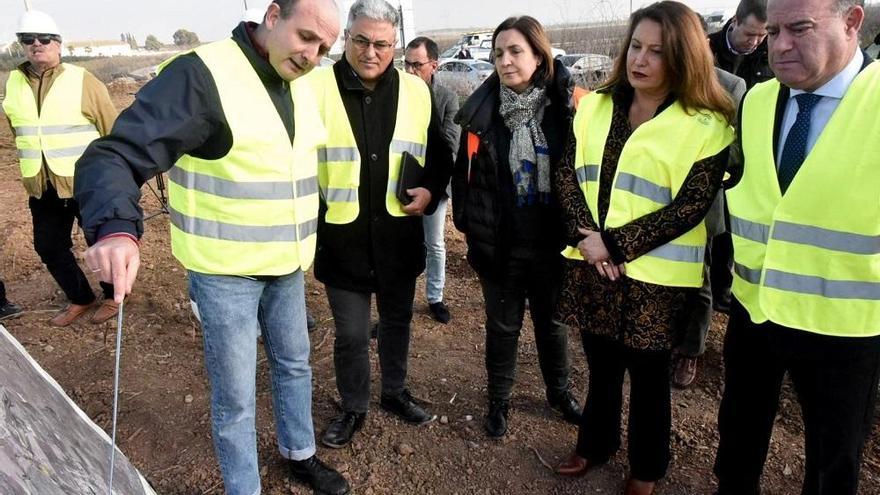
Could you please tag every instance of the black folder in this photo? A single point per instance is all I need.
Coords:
(410, 177)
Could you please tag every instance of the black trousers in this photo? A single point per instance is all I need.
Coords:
(351, 358)
(538, 281)
(53, 221)
(835, 379)
(650, 416)
(3, 300)
(695, 326)
(721, 262)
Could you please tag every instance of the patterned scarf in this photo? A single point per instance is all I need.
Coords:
(529, 155)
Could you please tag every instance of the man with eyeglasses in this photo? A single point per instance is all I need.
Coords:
(369, 242)
(55, 110)
(420, 59)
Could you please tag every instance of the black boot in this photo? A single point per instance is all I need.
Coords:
(323, 479)
(405, 408)
(566, 404)
(342, 428)
(496, 418)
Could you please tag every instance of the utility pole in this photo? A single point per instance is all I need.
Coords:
(245, 5)
(402, 32)
(27, 5)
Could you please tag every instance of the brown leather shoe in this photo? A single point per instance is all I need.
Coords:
(108, 310)
(69, 314)
(685, 371)
(573, 465)
(638, 487)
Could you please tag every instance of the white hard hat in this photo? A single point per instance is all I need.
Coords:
(253, 15)
(34, 21)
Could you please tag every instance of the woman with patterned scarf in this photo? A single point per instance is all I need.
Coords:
(514, 132)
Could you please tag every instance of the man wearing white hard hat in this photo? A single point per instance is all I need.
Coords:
(55, 111)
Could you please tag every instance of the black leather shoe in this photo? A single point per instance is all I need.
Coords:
(405, 408)
(496, 418)
(322, 478)
(440, 312)
(342, 428)
(568, 406)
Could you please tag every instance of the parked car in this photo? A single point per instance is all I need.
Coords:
(463, 76)
(477, 52)
(588, 69)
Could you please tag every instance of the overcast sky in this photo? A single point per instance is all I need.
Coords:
(214, 19)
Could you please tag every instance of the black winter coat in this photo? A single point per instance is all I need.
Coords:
(483, 199)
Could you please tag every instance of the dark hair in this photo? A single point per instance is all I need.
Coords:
(430, 46)
(286, 7)
(689, 64)
(757, 8)
(842, 6)
(537, 38)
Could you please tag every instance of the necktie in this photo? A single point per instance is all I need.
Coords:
(795, 149)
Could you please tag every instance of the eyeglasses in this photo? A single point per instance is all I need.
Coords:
(363, 44)
(44, 39)
(415, 65)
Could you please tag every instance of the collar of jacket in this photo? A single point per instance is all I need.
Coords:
(260, 64)
(28, 69)
(477, 113)
(352, 82)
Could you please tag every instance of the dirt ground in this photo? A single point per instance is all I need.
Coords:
(164, 425)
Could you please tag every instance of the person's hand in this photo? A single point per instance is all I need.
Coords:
(593, 249)
(115, 260)
(609, 270)
(420, 199)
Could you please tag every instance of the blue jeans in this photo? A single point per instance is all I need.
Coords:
(435, 245)
(230, 309)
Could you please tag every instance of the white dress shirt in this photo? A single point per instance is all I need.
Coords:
(831, 92)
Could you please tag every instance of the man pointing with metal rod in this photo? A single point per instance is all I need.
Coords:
(238, 136)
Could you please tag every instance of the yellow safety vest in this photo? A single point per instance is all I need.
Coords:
(810, 259)
(652, 168)
(58, 130)
(339, 162)
(255, 210)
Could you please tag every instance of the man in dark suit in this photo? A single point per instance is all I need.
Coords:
(803, 217)
(420, 59)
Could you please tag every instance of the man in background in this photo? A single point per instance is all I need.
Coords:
(420, 60)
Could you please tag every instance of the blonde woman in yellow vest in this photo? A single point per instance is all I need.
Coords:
(55, 111)
(805, 222)
(370, 238)
(648, 161)
(237, 130)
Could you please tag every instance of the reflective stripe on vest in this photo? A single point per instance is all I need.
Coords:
(57, 131)
(339, 163)
(806, 260)
(255, 210)
(649, 175)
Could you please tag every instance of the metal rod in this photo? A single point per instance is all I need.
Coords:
(115, 395)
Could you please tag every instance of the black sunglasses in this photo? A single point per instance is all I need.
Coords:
(44, 39)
